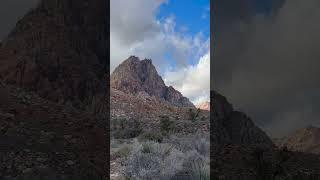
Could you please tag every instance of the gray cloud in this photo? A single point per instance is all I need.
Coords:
(11, 11)
(269, 66)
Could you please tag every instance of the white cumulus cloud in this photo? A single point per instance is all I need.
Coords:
(135, 30)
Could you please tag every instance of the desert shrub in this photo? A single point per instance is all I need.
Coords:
(123, 128)
(200, 171)
(166, 125)
(152, 160)
(203, 118)
(197, 165)
(123, 152)
(151, 136)
(198, 141)
(193, 115)
(176, 157)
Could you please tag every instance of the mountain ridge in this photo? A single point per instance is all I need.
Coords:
(134, 75)
(302, 140)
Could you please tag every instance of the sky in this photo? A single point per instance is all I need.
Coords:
(266, 61)
(11, 11)
(175, 34)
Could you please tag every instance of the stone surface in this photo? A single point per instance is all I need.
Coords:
(53, 82)
(59, 50)
(230, 126)
(302, 140)
(134, 76)
(241, 150)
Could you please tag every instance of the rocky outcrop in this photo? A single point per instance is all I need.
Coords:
(135, 75)
(41, 139)
(233, 127)
(241, 150)
(302, 140)
(59, 50)
(149, 110)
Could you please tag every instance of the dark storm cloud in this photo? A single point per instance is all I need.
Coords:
(268, 66)
(11, 11)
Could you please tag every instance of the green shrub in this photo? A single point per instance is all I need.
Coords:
(166, 125)
(193, 115)
(146, 148)
(123, 152)
(125, 128)
(151, 136)
(200, 170)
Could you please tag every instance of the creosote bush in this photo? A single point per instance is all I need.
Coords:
(123, 152)
(151, 136)
(125, 128)
(175, 158)
(193, 115)
(166, 125)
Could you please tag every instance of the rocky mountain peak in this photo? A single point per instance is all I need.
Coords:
(134, 75)
(234, 127)
(58, 50)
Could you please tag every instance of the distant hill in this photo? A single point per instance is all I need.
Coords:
(302, 140)
(204, 106)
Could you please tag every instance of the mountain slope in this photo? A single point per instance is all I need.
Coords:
(241, 150)
(40, 139)
(230, 126)
(52, 69)
(138, 93)
(135, 75)
(302, 140)
(59, 50)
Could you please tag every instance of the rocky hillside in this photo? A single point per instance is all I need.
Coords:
(52, 92)
(230, 126)
(241, 150)
(40, 139)
(138, 93)
(140, 76)
(59, 51)
(302, 140)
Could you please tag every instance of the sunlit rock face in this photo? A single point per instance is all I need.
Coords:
(135, 76)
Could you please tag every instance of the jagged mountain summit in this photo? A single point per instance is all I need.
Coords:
(302, 140)
(242, 150)
(140, 76)
(59, 50)
(230, 126)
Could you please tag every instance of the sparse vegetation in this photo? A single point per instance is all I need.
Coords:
(193, 115)
(124, 129)
(123, 152)
(164, 154)
(166, 125)
(151, 136)
(175, 158)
